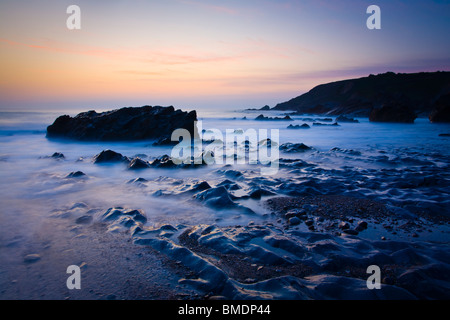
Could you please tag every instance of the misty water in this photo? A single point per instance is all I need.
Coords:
(405, 166)
(374, 150)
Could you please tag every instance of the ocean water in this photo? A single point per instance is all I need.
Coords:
(404, 166)
(358, 159)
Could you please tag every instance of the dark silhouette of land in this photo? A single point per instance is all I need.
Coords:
(387, 97)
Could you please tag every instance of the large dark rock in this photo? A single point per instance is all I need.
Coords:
(441, 110)
(126, 124)
(396, 110)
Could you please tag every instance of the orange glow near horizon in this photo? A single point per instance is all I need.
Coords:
(185, 51)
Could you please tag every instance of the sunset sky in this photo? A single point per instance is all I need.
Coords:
(197, 54)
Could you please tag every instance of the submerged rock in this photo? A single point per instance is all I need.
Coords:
(294, 147)
(163, 162)
(126, 124)
(343, 118)
(109, 156)
(220, 198)
(317, 124)
(31, 258)
(113, 214)
(303, 126)
(261, 117)
(58, 155)
(84, 220)
(76, 174)
(138, 164)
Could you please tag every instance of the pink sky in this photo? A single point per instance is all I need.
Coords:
(204, 54)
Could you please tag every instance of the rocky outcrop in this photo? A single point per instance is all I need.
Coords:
(126, 124)
(393, 111)
(358, 97)
(441, 110)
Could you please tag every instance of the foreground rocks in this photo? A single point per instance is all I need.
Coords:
(126, 124)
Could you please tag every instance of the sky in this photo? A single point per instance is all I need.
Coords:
(211, 54)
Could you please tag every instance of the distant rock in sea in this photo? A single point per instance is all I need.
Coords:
(343, 118)
(318, 124)
(303, 126)
(261, 117)
(126, 124)
(265, 108)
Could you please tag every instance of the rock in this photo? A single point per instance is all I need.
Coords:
(344, 225)
(303, 126)
(138, 164)
(58, 155)
(163, 162)
(396, 110)
(76, 174)
(309, 222)
(259, 192)
(343, 118)
(165, 142)
(201, 186)
(84, 220)
(230, 185)
(113, 214)
(126, 124)
(295, 213)
(261, 117)
(220, 198)
(362, 225)
(441, 110)
(109, 156)
(294, 221)
(267, 142)
(216, 197)
(317, 124)
(137, 181)
(32, 258)
(351, 232)
(294, 147)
